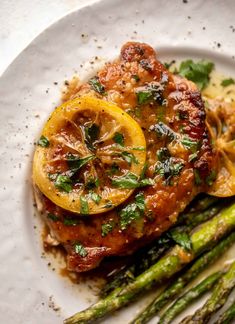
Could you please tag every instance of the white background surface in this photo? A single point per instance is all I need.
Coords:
(22, 20)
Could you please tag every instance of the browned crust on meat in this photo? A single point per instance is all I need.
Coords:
(164, 202)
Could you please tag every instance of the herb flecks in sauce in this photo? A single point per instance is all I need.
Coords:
(84, 208)
(63, 183)
(75, 163)
(131, 181)
(163, 131)
(152, 92)
(227, 82)
(107, 228)
(169, 168)
(43, 141)
(118, 138)
(91, 135)
(129, 157)
(132, 211)
(96, 85)
(79, 249)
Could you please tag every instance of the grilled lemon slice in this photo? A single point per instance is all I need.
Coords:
(89, 157)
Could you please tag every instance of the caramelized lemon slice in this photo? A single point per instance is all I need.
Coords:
(221, 124)
(90, 156)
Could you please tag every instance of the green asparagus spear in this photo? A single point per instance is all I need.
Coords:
(202, 202)
(192, 294)
(202, 238)
(218, 298)
(228, 316)
(177, 286)
(148, 256)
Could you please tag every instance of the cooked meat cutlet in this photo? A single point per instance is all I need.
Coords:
(180, 158)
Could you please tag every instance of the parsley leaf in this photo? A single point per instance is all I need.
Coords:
(63, 183)
(79, 249)
(163, 131)
(91, 135)
(96, 85)
(92, 183)
(169, 168)
(227, 82)
(95, 197)
(132, 211)
(53, 217)
(151, 92)
(163, 154)
(129, 157)
(43, 141)
(71, 221)
(130, 181)
(135, 77)
(197, 72)
(84, 208)
(181, 238)
(192, 157)
(107, 228)
(190, 144)
(211, 178)
(197, 177)
(114, 169)
(76, 163)
(143, 97)
(118, 138)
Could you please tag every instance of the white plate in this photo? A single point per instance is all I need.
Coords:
(27, 95)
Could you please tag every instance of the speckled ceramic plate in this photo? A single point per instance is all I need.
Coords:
(31, 292)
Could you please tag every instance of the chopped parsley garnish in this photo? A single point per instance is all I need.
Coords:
(131, 181)
(53, 217)
(70, 221)
(107, 228)
(192, 157)
(168, 169)
(190, 144)
(227, 82)
(138, 148)
(197, 72)
(197, 177)
(129, 158)
(84, 208)
(132, 211)
(163, 131)
(181, 238)
(211, 178)
(43, 141)
(52, 176)
(79, 249)
(163, 154)
(146, 65)
(143, 97)
(151, 92)
(75, 163)
(96, 85)
(95, 197)
(63, 183)
(135, 77)
(92, 183)
(91, 135)
(114, 169)
(143, 172)
(168, 65)
(118, 138)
